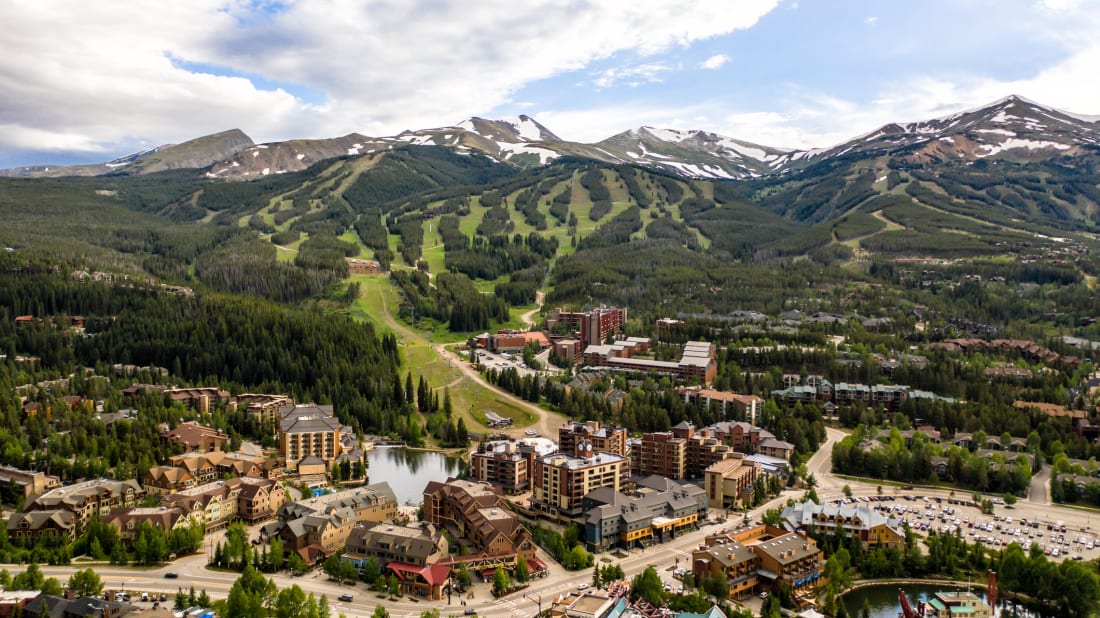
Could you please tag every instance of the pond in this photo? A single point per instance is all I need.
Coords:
(883, 600)
(408, 471)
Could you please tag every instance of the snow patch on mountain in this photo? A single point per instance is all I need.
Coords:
(1014, 143)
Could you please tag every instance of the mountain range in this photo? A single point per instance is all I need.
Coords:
(1012, 129)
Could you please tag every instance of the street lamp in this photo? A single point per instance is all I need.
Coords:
(538, 600)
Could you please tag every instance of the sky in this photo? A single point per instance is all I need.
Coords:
(88, 81)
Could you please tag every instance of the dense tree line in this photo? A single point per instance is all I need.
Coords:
(250, 343)
(864, 454)
(248, 266)
(453, 299)
(326, 253)
(489, 258)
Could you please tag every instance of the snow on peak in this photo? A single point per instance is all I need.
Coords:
(526, 128)
(667, 135)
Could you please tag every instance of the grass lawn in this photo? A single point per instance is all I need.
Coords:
(378, 302)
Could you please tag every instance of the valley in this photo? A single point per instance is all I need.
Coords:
(660, 313)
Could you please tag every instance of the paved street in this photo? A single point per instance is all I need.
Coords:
(192, 570)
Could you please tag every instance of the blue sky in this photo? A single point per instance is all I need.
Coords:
(85, 82)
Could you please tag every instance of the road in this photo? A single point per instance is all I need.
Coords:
(1038, 491)
(192, 571)
(547, 422)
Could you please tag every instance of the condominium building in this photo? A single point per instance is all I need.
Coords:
(872, 528)
(660, 452)
(219, 502)
(310, 430)
(505, 464)
(742, 407)
(760, 558)
(419, 545)
(729, 483)
(477, 515)
(697, 363)
(561, 480)
(591, 327)
(603, 438)
(160, 517)
(680, 453)
(318, 527)
(655, 511)
(29, 483)
(65, 511)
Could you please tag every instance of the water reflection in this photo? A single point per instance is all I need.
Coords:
(408, 472)
(882, 601)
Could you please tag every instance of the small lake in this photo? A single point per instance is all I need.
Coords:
(883, 600)
(408, 472)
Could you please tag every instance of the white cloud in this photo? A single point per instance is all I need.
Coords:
(716, 61)
(80, 75)
(631, 75)
(1061, 5)
(870, 21)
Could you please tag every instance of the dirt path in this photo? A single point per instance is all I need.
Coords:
(547, 423)
(528, 318)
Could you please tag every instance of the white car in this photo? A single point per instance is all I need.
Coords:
(582, 587)
(531, 432)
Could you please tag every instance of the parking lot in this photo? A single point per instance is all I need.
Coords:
(513, 361)
(1006, 525)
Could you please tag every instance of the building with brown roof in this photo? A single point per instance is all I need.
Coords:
(729, 483)
(775, 448)
(742, 407)
(476, 514)
(310, 430)
(603, 438)
(592, 327)
(30, 483)
(267, 408)
(200, 399)
(320, 526)
(163, 480)
(761, 557)
(385, 542)
(219, 502)
(697, 363)
(505, 464)
(65, 511)
(160, 517)
(560, 481)
(193, 437)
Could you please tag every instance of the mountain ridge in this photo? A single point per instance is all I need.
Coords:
(1012, 127)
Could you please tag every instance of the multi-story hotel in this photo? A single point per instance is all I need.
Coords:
(760, 557)
(505, 464)
(310, 430)
(561, 481)
(662, 452)
(656, 510)
(873, 529)
(729, 483)
(603, 438)
(66, 510)
(477, 514)
(591, 327)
